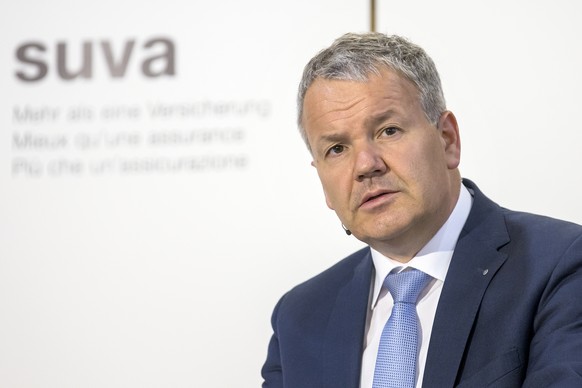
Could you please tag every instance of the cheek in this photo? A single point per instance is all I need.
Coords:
(431, 175)
(336, 190)
(328, 193)
(429, 158)
(421, 169)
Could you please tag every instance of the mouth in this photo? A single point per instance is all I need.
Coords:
(376, 198)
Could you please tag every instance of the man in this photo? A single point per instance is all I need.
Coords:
(500, 304)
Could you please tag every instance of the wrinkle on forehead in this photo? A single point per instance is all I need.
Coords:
(376, 112)
(343, 111)
(338, 98)
(325, 99)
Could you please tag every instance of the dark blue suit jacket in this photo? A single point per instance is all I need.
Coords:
(510, 312)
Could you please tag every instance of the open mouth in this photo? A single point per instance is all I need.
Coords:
(376, 198)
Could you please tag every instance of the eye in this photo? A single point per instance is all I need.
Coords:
(390, 131)
(336, 150)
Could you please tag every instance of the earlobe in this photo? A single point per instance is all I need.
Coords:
(451, 140)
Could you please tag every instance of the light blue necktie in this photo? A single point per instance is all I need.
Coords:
(397, 353)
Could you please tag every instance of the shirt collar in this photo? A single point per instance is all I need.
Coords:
(434, 258)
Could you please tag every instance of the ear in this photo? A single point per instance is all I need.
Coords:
(327, 201)
(449, 132)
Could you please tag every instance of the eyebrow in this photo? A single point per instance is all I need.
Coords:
(332, 137)
(379, 118)
(324, 140)
(340, 136)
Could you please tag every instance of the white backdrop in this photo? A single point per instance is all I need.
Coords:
(148, 225)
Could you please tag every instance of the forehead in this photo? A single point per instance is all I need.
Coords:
(332, 100)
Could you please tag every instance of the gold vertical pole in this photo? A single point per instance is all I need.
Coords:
(373, 15)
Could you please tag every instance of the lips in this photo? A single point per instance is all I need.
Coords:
(376, 197)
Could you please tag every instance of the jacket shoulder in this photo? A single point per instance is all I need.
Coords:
(333, 278)
(542, 232)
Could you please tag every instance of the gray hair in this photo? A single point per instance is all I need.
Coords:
(353, 57)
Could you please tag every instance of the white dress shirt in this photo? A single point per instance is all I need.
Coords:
(434, 259)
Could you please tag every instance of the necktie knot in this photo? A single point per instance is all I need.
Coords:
(405, 286)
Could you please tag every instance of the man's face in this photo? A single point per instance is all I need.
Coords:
(389, 174)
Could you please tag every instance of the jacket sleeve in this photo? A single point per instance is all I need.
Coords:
(555, 358)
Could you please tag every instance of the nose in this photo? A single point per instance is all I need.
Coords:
(369, 162)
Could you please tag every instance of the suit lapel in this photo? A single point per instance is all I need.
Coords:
(475, 261)
(343, 341)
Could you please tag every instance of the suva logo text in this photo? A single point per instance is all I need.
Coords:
(156, 56)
